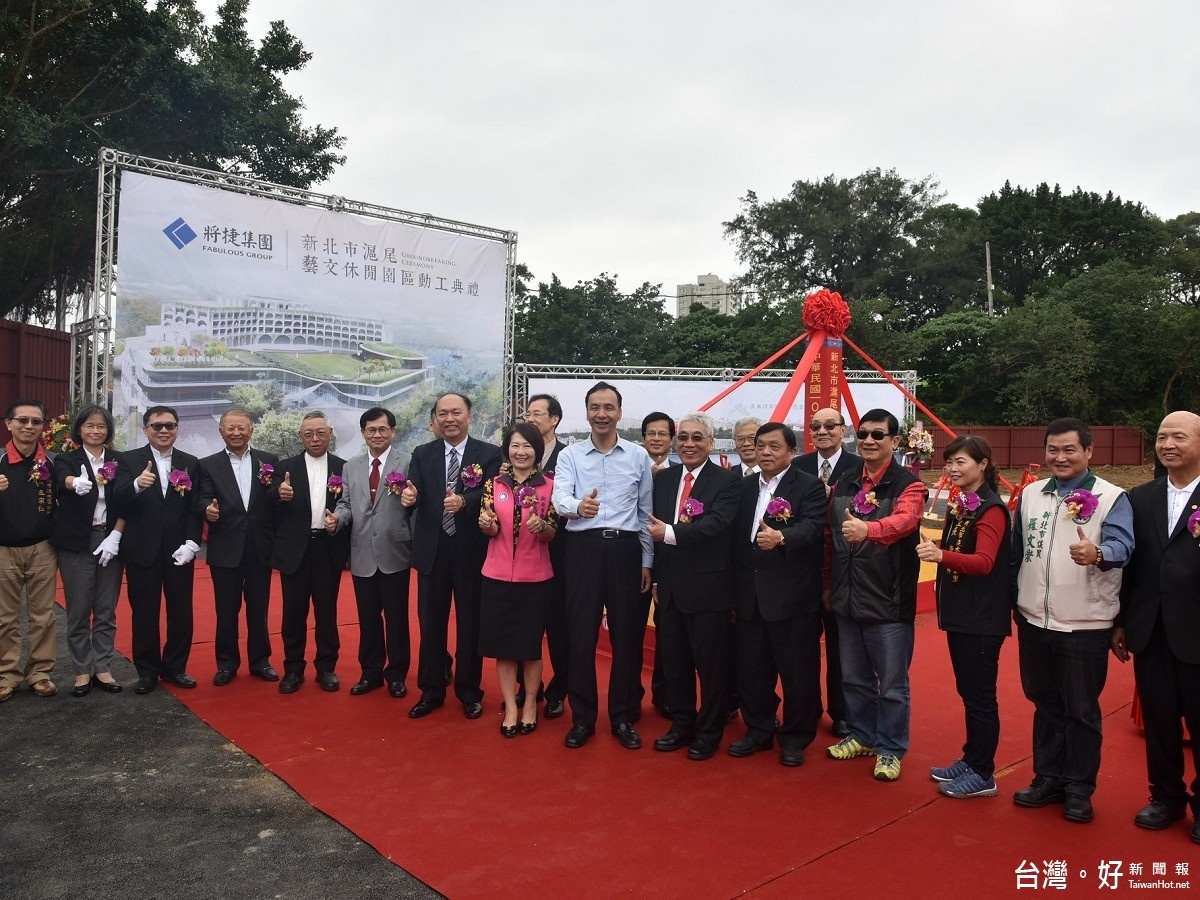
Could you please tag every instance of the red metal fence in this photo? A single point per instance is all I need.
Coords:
(1017, 446)
(35, 363)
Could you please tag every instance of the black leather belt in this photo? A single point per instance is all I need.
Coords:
(316, 533)
(99, 528)
(607, 534)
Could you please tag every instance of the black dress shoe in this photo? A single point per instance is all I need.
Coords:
(328, 681)
(82, 690)
(473, 710)
(747, 746)
(364, 686)
(291, 683)
(578, 736)
(672, 740)
(702, 748)
(1040, 793)
(840, 728)
(1157, 815)
(145, 685)
(424, 707)
(181, 680)
(223, 678)
(627, 737)
(508, 731)
(266, 673)
(554, 709)
(109, 687)
(1196, 832)
(528, 727)
(791, 757)
(1078, 808)
(397, 689)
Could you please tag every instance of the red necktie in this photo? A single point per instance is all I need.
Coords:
(687, 492)
(373, 481)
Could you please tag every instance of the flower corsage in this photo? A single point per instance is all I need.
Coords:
(1193, 524)
(865, 502)
(266, 473)
(39, 472)
(692, 509)
(106, 473)
(180, 481)
(1081, 505)
(395, 482)
(778, 508)
(526, 496)
(963, 505)
(334, 485)
(472, 476)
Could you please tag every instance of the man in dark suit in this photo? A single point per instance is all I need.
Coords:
(371, 510)
(694, 507)
(828, 461)
(154, 492)
(233, 497)
(777, 556)
(309, 559)
(445, 486)
(1159, 621)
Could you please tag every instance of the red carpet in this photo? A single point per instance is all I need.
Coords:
(473, 814)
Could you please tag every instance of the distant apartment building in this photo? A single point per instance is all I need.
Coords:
(709, 291)
(258, 321)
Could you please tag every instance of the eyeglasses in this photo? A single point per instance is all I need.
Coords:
(163, 426)
(824, 426)
(665, 434)
(376, 429)
(25, 421)
(747, 439)
(536, 414)
(875, 435)
(698, 438)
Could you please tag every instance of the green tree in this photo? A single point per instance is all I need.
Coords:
(145, 77)
(279, 433)
(257, 398)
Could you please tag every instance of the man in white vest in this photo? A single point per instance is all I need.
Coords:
(1071, 535)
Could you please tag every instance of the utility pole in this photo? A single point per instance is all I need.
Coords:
(987, 252)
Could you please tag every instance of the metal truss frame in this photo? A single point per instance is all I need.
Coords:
(91, 356)
(523, 372)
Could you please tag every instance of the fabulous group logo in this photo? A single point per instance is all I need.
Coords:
(179, 233)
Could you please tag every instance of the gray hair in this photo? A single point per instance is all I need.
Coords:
(704, 420)
(747, 420)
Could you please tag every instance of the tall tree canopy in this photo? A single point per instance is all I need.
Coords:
(149, 78)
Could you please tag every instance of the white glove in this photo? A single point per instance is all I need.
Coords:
(186, 553)
(83, 484)
(107, 551)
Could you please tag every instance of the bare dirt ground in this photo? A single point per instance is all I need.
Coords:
(1122, 476)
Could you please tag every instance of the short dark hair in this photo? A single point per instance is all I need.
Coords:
(12, 407)
(440, 397)
(979, 450)
(1063, 426)
(86, 413)
(658, 417)
(601, 386)
(157, 410)
(374, 413)
(528, 431)
(552, 405)
(789, 436)
(881, 415)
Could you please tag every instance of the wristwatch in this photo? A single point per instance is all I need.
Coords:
(1099, 556)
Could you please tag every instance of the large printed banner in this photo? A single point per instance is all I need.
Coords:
(642, 396)
(221, 292)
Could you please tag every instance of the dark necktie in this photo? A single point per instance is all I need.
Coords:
(826, 470)
(373, 481)
(451, 480)
(683, 498)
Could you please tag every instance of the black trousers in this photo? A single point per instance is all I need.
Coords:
(975, 659)
(384, 650)
(789, 651)
(450, 576)
(249, 581)
(835, 704)
(695, 644)
(147, 586)
(605, 575)
(318, 580)
(1169, 692)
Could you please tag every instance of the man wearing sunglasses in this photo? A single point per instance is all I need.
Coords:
(874, 518)
(829, 462)
(26, 556)
(161, 538)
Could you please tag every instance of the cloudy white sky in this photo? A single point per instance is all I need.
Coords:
(617, 137)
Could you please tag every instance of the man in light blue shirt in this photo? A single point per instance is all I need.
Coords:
(603, 487)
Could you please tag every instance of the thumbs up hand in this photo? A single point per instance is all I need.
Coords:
(408, 496)
(147, 476)
(81, 484)
(453, 502)
(1083, 551)
(331, 522)
(212, 512)
(488, 523)
(657, 529)
(589, 506)
(286, 491)
(927, 550)
(768, 538)
(853, 530)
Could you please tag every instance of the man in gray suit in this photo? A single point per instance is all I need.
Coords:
(380, 553)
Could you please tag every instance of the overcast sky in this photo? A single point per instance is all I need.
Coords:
(617, 137)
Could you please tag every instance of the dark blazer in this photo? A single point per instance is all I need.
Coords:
(427, 471)
(552, 462)
(293, 519)
(227, 536)
(156, 525)
(786, 582)
(73, 523)
(811, 463)
(1163, 575)
(696, 574)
